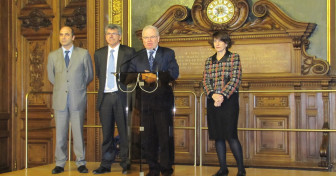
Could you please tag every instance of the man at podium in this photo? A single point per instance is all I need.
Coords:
(157, 106)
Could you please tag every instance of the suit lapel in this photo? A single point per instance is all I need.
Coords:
(103, 57)
(144, 56)
(157, 60)
(61, 56)
(120, 57)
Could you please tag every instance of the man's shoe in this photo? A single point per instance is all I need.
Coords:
(126, 168)
(82, 169)
(57, 170)
(101, 170)
(241, 173)
(153, 173)
(222, 173)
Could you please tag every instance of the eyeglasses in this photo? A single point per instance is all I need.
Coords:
(151, 37)
(114, 34)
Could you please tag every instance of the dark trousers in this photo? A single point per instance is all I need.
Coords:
(113, 110)
(158, 139)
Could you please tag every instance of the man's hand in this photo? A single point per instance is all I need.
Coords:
(218, 99)
(148, 77)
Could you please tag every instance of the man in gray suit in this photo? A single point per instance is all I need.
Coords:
(70, 71)
(111, 101)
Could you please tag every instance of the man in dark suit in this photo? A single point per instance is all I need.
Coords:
(157, 107)
(70, 71)
(111, 101)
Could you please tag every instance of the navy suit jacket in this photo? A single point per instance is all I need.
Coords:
(168, 70)
(125, 53)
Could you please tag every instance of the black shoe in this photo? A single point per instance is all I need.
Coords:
(153, 173)
(125, 168)
(82, 169)
(166, 174)
(241, 173)
(101, 170)
(222, 173)
(57, 170)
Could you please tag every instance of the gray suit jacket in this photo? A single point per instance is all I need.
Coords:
(71, 81)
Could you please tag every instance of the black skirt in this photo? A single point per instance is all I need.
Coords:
(223, 120)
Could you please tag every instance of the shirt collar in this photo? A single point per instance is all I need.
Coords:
(155, 49)
(223, 59)
(71, 49)
(115, 48)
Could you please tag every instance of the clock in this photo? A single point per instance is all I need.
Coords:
(220, 11)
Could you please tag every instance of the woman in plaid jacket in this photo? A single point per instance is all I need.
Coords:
(221, 80)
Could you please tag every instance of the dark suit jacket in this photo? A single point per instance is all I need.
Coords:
(168, 70)
(125, 53)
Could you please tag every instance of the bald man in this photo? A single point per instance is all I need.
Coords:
(70, 71)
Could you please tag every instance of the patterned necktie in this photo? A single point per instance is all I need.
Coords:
(151, 59)
(110, 71)
(66, 58)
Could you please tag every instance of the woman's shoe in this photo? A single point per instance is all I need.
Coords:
(222, 173)
(241, 173)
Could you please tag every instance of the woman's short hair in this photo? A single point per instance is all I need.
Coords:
(222, 36)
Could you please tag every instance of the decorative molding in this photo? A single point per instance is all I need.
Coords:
(182, 101)
(311, 65)
(36, 19)
(201, 20)
(271, 101)
(77, 18)
(36, 71)
(181, 25)
(36, 2)
(116, 12)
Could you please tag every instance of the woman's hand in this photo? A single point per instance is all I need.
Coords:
(218, 99)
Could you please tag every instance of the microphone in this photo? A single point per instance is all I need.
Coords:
(130, 59)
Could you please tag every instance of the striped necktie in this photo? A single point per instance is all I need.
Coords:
(151, 59)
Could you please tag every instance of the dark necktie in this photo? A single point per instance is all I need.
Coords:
(66, 58)
(151, 59)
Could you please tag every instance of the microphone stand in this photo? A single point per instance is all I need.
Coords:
(141, 128)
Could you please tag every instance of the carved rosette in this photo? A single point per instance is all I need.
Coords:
(201, 20)
(77, 19)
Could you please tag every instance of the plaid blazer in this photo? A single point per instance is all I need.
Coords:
(223, 76)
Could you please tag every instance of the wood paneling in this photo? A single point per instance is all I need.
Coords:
(6, 103)
(286, 66)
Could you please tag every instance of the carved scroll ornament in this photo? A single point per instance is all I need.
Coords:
(36, 20)
(77, 19)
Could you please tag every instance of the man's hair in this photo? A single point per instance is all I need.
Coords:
(151, 27)
(113, 26)
(72, 31)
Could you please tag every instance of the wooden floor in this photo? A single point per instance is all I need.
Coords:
(179, 170)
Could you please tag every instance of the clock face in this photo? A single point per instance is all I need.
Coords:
(220, 11)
